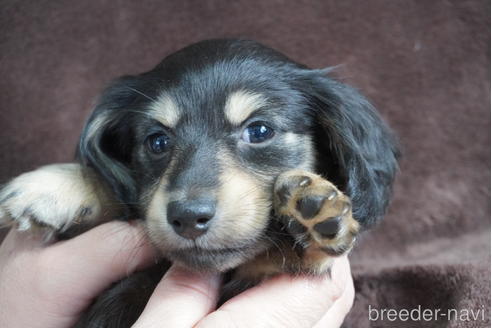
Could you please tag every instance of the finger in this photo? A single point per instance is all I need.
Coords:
(20, 241)
(283, 301)
(181, 299)
(90, 262)
(336, 314)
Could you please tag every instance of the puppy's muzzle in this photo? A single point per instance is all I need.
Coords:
(191, 218)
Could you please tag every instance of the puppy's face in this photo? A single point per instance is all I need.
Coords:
(207, 155)
(196, 144)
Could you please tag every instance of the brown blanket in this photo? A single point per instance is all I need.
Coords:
(425, 65)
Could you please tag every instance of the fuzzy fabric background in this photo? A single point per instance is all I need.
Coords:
(424, 64)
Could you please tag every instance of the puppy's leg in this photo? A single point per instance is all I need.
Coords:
(313, 225)
(55, 198)
(317, 215)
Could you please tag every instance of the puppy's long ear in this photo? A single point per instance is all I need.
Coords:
(356, 150)
(107, 140)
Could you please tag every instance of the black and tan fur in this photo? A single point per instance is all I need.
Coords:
(289, 203)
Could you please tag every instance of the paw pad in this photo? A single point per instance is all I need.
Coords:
(328, 228)
(310, 206)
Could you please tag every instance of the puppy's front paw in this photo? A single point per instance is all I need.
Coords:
(317, 214)
(53, 197)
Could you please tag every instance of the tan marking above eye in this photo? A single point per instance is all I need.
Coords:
(165, 110)
(241, 104)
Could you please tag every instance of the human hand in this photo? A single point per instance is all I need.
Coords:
(188, 299)
(51, 285)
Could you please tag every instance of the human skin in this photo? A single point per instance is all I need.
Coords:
(50, 285)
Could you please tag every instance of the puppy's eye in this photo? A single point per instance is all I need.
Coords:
(257, 132)
(158, 143)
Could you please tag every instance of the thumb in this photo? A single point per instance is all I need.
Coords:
(182, 298)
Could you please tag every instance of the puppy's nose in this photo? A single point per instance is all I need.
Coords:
(190, 218)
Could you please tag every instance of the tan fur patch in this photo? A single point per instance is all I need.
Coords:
(241, 104)
(159, 230)
(165, 111)
(244, 208)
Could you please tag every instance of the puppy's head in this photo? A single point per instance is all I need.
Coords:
(194, 146)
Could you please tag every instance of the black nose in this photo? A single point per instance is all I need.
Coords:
(190, 218)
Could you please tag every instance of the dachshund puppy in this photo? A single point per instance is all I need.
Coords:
(236, 159)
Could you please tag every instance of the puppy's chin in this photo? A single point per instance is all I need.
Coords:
(217, 260)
